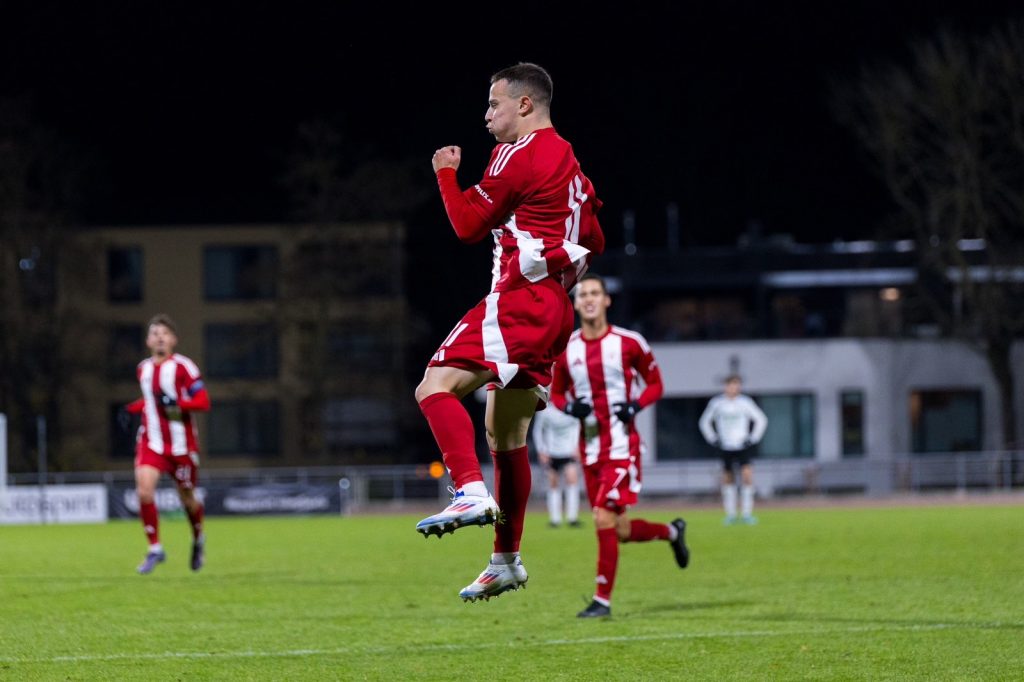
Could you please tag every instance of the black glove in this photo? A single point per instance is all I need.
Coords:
(747, 443)
(578, 409)
(168, 401)
(626, 411)
(124, 419)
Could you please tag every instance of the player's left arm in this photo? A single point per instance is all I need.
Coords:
(192, 396)
(649, 371)
(647, 367)
(758, 420)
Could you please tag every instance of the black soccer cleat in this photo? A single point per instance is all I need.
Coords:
(198, 553)
(595, 610)
(679, 544)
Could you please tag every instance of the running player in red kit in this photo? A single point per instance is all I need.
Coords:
(541, 211)
(595, 380)
(167, 443)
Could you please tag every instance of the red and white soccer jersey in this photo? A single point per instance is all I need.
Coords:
(604, 372)
(539, 207)
(542, 213)
(170, 430)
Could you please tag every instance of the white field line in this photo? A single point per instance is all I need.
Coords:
(348, 651)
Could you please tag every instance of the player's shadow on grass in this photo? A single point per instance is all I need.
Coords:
(682, 606)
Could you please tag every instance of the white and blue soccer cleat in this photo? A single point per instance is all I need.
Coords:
(496, 579)
(465, 510)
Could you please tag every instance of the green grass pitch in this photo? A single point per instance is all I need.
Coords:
(898, 593)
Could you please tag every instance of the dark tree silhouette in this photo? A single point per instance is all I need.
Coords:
(945, 131)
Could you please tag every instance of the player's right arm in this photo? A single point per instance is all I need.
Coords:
(706, 425)
(475, 211)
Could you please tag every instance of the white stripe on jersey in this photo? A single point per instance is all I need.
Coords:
(644, 346)
(577, 197)
(506, 153)
(615, 391)
(168, 373)
(154, 436)
(532, 263)
(494, 343)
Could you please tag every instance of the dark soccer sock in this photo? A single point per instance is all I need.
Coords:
(195, 516)
(607, 562)
(150, 521)
(645, 531)
(453, 431)
(512, 481)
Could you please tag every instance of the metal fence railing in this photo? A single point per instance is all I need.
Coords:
(381, 487)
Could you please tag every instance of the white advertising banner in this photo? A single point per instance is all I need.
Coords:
(54, 504)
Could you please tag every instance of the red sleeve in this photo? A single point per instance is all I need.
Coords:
(471, 225)
(560, 383)
(198, 402)
(135, 406)
(193, 397)
(651, 374)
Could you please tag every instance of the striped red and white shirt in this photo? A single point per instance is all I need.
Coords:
(170, 431)
(537, 204)
(603, 372)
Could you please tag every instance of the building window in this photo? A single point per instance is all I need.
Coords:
(244, 428)
(851, 414)
(124, 274)
(790, 433)
(946, 420)
(122, 437)
(361, 346)
(346, 424)
(125, 349)
(232, 273)
(246, 351)
(677, 432)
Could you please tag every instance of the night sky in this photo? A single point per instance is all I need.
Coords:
(187, 111)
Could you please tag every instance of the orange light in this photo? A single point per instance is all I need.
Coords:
(437, 469)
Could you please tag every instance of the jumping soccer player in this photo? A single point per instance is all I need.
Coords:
(542, 213)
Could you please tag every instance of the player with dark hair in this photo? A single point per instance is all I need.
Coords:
(596, 380)
(541, 211)
(167, 443)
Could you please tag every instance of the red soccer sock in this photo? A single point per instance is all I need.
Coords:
(607, 562)
(150, 521)
(196, 518)
(453, 431)
(512, 481)
(645, 531)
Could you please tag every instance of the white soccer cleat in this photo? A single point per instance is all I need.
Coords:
(465, 510)
(496, 579)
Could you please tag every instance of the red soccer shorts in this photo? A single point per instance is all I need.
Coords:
(612, 484)
(184, 468)
(516, 334)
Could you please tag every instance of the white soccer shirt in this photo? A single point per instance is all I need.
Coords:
(555, 433)
(730, 422)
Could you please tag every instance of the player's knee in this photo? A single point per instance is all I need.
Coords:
(146, 496)
(422, 391)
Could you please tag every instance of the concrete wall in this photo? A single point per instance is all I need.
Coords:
(887, 371)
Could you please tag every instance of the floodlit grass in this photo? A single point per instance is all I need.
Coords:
(926, 593)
